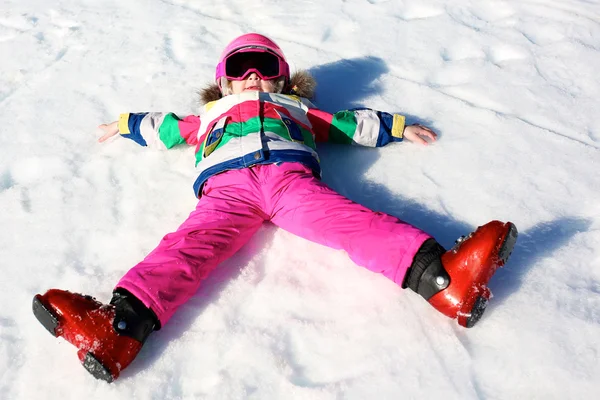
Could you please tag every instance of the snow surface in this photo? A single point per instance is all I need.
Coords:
(511, 86)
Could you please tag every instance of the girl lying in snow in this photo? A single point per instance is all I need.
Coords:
(257, 161)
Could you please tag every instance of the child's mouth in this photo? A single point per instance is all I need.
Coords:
(252, 88)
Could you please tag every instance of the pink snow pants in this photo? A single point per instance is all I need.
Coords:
(233, 206)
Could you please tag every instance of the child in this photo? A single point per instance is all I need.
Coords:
(256, 158)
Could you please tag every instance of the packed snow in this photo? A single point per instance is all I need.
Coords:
(511, 87)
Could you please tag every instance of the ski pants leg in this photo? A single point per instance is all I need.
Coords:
(308, 208)
(225, 218)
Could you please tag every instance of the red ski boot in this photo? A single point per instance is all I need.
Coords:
(455, 281)
(108, 337)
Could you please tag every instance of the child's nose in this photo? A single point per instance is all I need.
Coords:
(253, 76)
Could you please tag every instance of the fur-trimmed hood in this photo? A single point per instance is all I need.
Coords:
(301, 84)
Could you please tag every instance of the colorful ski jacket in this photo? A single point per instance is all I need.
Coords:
(242, 130)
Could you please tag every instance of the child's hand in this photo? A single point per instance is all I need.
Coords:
(109, 130)
(416, 133)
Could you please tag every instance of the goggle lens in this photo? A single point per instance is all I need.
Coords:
(265, 64)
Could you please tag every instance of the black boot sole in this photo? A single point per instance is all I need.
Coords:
(45, 316)
(477, 311)
(509, 243)
(95, 367)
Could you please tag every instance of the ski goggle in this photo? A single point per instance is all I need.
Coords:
(239, 64)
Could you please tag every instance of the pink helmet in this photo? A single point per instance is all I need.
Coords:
(253, 42)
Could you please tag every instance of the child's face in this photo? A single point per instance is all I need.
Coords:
(252, 83)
